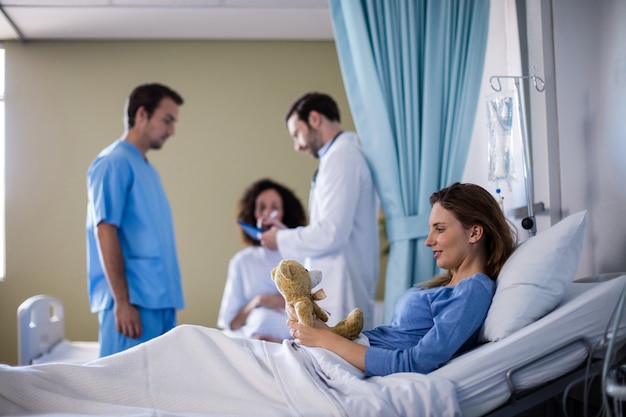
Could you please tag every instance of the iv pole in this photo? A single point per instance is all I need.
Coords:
(528, 222)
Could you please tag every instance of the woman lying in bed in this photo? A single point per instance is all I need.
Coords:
(194, 370)
(471, 239)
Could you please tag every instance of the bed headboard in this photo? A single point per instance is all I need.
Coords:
(40, 326)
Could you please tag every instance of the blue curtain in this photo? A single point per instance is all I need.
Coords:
(412, 71)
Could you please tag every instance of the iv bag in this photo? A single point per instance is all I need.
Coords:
(500, 144)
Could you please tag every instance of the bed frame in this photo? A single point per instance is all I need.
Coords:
(41, 334)
(558, 389)
(538, 365)
(522, 401)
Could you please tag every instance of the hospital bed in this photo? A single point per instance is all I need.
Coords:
(41, 334)
(543, 333)
(540, 361)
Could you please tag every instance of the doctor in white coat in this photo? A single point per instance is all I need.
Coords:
(341, 239)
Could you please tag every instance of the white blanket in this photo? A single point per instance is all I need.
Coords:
(196, 371)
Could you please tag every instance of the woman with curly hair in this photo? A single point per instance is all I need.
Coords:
(251, 305)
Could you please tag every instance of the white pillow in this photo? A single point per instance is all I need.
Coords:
(532, 282)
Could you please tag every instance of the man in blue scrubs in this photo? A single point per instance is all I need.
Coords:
(132, 265)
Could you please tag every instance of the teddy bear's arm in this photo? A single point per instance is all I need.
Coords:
(304, 311)
(320, 313)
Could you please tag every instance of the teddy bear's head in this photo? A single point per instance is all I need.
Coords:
(294, 281)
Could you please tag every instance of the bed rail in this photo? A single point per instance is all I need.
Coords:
(41, 334)
(511, 372)
(522, 400)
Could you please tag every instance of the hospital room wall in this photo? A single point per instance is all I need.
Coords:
(590, 63)
(585, 61)
(64, 104)
(577, 126)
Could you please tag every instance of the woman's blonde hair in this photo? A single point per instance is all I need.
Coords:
(473, 205)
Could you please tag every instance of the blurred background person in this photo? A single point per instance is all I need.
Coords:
(342, 237)
(251, 305)
(132, 264)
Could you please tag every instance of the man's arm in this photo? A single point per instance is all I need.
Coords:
(126, 315)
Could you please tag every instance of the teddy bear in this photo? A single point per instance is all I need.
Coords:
(296, 283)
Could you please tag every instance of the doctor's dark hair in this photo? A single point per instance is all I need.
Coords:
(293, 211)
(149, 97)
(319, 102)
(473, 205)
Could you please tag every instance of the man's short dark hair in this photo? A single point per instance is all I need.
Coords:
(148, 96)
(319, 102)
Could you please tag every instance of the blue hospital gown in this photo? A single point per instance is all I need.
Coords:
(429, 326)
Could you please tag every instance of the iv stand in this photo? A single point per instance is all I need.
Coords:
(528, 222)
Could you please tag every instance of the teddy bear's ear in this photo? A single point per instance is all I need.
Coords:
(285, 268)
(316, 277)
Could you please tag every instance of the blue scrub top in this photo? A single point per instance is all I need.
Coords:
(125, 190)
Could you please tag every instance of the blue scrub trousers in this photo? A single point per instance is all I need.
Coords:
(155, 322)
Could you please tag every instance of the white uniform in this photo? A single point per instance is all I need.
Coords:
(249, 274)
(341, 239)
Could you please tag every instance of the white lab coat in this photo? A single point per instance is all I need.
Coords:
(341, 239)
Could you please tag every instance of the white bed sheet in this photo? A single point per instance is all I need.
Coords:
(480, 375)
(196, 371)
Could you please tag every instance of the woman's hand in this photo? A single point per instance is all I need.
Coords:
(313, 336)
(271, 301)
(320, 335)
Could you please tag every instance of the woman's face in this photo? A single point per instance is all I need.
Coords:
(266, 203)
(449, 240)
